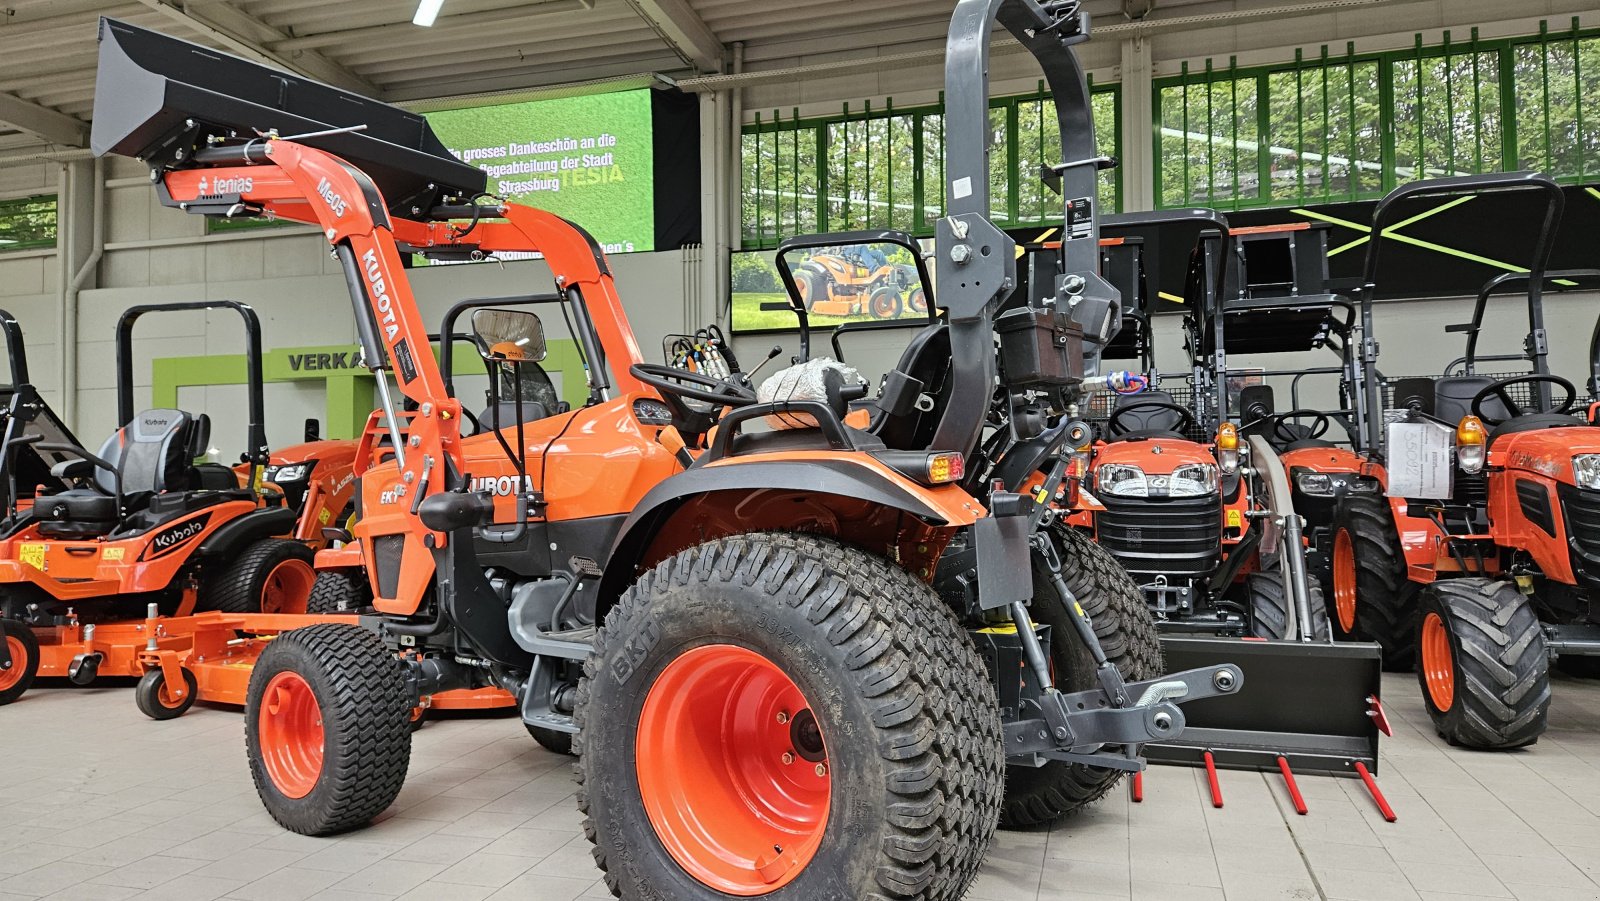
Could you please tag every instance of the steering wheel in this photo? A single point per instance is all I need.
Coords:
(1319, 425)
(1498, 389)
(1114, 424)
(681, 383)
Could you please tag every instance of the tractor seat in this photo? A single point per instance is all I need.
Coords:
(1302, 440)
(1453, 400)
(1146, 424)
(923, 371)
(503, 415)
(153, 454)
(539, 399)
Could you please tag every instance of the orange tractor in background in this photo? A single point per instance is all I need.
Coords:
(108, 557)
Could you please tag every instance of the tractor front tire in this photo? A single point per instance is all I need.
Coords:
(1269, 608)
(24, 650)
(1483, 664)
(783, 715)
(1127, 633)
(339, 591)
(274, 575)
(327, 728)
(1372, 598)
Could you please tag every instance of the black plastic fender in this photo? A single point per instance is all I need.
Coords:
(236, 533)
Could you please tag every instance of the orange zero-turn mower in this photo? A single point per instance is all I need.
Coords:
(142, 528)
(1484, 552)
(853, 280)
(768, 694)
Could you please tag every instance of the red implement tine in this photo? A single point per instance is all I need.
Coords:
(1294, 788)
(1211, 776)
(1137, 787)
(1377, 796)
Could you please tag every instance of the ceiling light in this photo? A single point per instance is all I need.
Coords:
(427, 11)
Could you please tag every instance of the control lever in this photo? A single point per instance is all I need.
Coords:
(749, 377)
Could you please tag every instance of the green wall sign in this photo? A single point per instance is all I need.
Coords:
(349, 386)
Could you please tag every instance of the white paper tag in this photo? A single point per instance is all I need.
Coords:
(961, 187)
(1421, 460)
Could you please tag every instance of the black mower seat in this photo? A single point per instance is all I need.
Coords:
(153, 454)
(1146, 424)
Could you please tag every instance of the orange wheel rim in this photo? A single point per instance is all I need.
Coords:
(733, 770)
(1344, 580)
(290, 728)
(1438, 667)
(19, 663)
(166, 698)
(287, 587)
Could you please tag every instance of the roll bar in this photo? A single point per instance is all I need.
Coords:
(256, 451)
(976, 261)
(1536, 349)
(16, 348)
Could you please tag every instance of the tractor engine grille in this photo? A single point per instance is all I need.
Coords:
(386, 553)
(1179, 538)
(1581, 509)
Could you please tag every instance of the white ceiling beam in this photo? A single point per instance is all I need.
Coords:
(397, 34)
(42, 121)
(683, 30)
(245, 35)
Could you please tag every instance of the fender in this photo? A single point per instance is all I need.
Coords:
(946, 506)
(238, 532)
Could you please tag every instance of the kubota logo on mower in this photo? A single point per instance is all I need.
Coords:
(380, 294)
(331, 198)
(173, 537)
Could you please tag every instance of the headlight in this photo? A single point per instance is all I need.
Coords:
(1316, 484)
(1586, 470)
(1193, 480)
(1121, 480)
(295, 472)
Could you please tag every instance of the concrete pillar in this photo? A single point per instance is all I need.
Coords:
(1138, 153)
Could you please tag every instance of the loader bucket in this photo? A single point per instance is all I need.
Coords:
(1309, 702)
(150, 88)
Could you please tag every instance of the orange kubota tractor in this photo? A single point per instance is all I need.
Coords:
(95, 547)
(768, 694)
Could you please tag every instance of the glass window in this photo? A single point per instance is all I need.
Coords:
(28, 223)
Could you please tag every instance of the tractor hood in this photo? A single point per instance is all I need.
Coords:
(1322, 459)
(1156, 456)
(1546, 452)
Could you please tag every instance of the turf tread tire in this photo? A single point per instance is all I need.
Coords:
(237, 587)
(1386, 601)
(1269, 608)
(339, 591)
(933, 715)
(1121, 618)
(366, 716)
(1501, 664)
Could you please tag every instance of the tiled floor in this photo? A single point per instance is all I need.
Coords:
(98, 802)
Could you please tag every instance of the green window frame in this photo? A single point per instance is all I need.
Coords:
(28, 223)
(883, 167)
(1352, 126)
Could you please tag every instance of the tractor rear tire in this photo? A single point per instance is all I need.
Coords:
(551, 740)
(1269, 608)
(339, 591)
(273, 575)
(1127, 633)
(327, 728)
(1372, 598)
(23, 646)
(860, 754)
(1483, 665)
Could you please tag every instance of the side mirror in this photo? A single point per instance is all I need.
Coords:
(313, 430)
(508, 336)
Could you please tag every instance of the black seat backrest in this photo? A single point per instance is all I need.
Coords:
(154, 452)
(1452, 397)
(1150, 420)
(539, 398)
(503, 415)
(924, 369)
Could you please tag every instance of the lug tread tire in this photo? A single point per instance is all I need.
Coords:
(237, 587)
(30, 665)
(1269, 608)
(1502, 667)
(1121, 618)
(339, 591)
(361, 690)
(1386, 608)
(936, 722)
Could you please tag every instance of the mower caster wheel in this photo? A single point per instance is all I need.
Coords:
(551, 740)
(1482, 663)
(327, 728)
(158, 702)
(24, 651)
